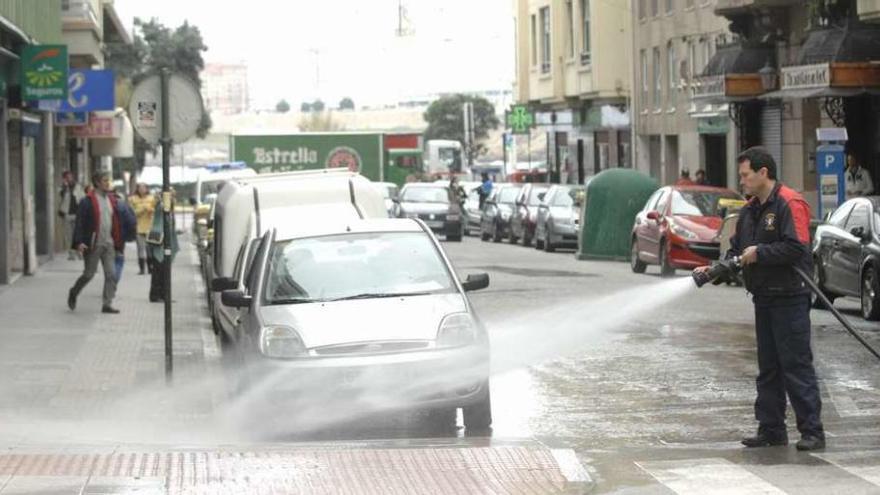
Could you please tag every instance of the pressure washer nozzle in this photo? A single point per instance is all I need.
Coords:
(719, 269)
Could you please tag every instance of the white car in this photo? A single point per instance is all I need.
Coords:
(366, 309)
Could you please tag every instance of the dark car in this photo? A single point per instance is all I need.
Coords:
(559, 217)
(522, 225)
(846, 254)
(434, 205)
(678, 228)
(497, 212)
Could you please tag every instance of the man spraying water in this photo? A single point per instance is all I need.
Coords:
(772, 238)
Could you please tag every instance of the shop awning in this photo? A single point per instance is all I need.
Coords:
(738, 59)
(855, 42)
(826, 92)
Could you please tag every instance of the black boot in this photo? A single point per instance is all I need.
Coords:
(811, 442)
(765, 440)
(142, 263)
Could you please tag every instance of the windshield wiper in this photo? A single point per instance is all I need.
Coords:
(294, 300)
(377, 295)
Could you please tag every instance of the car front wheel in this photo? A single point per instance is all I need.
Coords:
(666, 269)
(478, 416)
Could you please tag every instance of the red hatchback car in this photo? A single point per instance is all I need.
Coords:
(678, 228)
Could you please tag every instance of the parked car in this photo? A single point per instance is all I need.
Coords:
(846, 254)
(497, 212)
(390, 192)
(362, 310)
(432, 203)
(525, 217)
(472, 212)
(678, 228)
(558, 222)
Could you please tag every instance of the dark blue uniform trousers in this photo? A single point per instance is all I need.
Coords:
(785, 364)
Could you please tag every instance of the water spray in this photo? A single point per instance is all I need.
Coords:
(730, 267)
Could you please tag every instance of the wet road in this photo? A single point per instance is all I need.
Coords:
(659, 403)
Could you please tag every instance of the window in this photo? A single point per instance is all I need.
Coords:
(649, 205)
(692, 60)
(641, 9)
(658, 78)
(670, 6)
(859, 218)
(655, 7)
(663, 202)
(838, 218)
(670, 74)
(586, 52)
(534, 42)
(688, 4)
(569, 19)
(644, 74)
(545, 39)
(707, 54)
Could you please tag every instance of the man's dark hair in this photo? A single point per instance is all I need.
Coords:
(758, 158)
(98, 177)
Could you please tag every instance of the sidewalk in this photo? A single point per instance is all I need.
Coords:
(58, 365)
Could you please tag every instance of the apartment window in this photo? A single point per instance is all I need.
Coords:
(569, 19)
(692, 60)
(658, 78)
(670, 74)
(586, 52)
(545, 38)
(655, 7)
(534, 42)
(688, 4)
(670, 6)
(641, 9)
(643, 57)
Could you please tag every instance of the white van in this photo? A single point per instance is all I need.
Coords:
(245, 208)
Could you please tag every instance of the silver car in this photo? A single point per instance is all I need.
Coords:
(558, 222)
(366, 310)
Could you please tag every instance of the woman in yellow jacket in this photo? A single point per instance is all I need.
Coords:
(144, 204)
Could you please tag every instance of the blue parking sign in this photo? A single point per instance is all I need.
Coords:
(88, 91)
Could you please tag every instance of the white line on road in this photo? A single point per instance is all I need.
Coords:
(711, 476)
(570, 466)
(865, 464)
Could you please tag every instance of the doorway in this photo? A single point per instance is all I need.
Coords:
(715, 158)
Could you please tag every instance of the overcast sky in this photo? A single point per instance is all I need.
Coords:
(459, 45)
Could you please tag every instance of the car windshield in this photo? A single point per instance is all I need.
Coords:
(355, 266)
(533, 195)
(699, 203)
(508, 195)
(567, 196)
(426, 195)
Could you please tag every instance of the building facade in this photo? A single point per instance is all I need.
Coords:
(225, 88)
(673, 43)
(572, 69)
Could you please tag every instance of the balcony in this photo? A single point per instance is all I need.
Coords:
(869, 10)
(80, 15)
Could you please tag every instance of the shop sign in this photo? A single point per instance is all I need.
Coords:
(44, 72)
(709, 86)
(806, 76)
(88, 91)
(97, 128)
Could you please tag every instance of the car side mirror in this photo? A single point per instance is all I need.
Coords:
(476, 281)
(221, 284)
(859, 232)
(653, 215)
(235, 299)
(541, 196)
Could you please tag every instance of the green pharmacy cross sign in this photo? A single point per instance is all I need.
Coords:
(44, 72)
(520, 119)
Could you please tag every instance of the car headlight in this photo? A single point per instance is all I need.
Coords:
(681, 231)
(456, 330)
(281, 342)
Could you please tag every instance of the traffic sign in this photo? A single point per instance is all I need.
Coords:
(185, 107)
(520, 119)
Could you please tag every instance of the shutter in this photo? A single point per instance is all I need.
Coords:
(771, 133)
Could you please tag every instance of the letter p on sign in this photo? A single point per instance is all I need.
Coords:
(829, 160)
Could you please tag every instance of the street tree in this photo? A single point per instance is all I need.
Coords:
(445, 120)
(318, 106)
(153, 47)
(346, 104)
(306, 107)
(282, 106)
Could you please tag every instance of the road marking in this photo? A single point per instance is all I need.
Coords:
(707, 476)
(843, 402)
(570, 467)
(865, 464)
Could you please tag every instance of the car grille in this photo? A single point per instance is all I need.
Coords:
(371, 347)
(708, 250)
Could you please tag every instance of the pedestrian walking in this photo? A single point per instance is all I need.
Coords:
(71, 194)
(144, 204)
(485, 189)
(156, 252)
(98, 236)
(857, 179)
(772, 238)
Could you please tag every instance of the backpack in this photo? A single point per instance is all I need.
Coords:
(128, 221)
